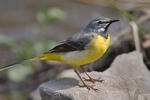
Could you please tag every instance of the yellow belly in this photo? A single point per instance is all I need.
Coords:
(95, 50)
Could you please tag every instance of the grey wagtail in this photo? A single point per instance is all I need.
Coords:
(82, 48)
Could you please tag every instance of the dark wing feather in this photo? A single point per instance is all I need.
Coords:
(72, 44)
(67, 46)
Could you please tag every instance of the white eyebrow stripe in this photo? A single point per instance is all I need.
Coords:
(96, 21)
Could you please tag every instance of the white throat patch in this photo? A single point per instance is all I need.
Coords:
(101, 30)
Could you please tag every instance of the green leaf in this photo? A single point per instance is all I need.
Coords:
(50, 14)
(6, 40)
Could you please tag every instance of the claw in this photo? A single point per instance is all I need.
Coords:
(93, 80)
(88, 87)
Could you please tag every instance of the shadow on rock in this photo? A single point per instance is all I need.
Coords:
(60, 84)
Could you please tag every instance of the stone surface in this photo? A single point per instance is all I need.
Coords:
(35, 95)
(126, 79)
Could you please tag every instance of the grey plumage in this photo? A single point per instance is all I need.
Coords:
(80, 40)
(77, 42)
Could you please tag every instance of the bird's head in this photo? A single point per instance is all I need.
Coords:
(99, 26)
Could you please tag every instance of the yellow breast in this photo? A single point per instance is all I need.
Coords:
(98, 47)
(95, 50)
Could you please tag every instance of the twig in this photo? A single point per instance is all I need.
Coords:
(134, 32)
(143, 19)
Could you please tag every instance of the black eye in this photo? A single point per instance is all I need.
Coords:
(99, 22)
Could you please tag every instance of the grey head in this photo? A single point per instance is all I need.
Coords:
(99, 26)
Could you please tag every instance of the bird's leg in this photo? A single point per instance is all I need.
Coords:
(84, 85)
(90, 78)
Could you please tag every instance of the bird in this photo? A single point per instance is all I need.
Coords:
(82, 48)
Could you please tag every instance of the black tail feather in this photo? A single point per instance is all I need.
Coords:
(9, 66)
(14, 64)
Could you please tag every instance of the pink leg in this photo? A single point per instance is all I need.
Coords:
(90, 78)
(84, 85)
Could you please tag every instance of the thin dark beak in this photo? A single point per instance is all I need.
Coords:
(112, 21)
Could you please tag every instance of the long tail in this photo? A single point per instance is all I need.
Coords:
(17, 63)
(50, 56)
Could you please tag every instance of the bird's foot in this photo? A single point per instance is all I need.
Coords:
(88, 87)
(93, 80)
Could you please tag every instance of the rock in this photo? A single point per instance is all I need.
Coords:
(57, 85)
(126, 79)
(35, 95)
(130, 65)
(68, 73)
